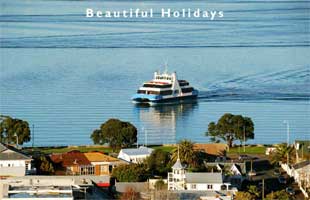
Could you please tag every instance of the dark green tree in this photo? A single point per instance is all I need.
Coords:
(254, 191)
(158, 163)
(13, 130)
(186, 152)
(279, 195)
(244, 196)
(283, 153)
(130, 173)
(44, 166)
(231, 127)
(116, 133)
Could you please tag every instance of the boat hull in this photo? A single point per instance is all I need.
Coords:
(153, 99)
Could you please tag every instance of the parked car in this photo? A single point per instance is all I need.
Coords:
(290, 190)
(282, 180)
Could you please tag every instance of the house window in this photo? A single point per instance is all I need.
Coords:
(193, 187)
(87, 170)
(210, 187)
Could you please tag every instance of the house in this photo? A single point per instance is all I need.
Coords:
(72, 163)
(103, 164)
(301, 174)
(135, 155)
(235, 171)
(90, 163)
(270, 150)
(13, 162)
(180, 179)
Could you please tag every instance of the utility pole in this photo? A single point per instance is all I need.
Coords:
(32, 136)
(145, 132)
(288, 138)
(243, 138)
(288, 132)
(263, 195)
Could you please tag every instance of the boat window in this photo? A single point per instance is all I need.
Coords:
(152, 92)
(183, 83)
(141, 91)
(185, 90)
(157, 86)
(166, 92)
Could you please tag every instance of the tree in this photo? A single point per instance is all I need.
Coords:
(282, 153)
(116, 133)
(44, 166)
(13, 130)
(186, 152)
(279, 195)
(244, 196)
(252, 189)
(130, 173)
(231, 127)
(158, 162)
(130, 194)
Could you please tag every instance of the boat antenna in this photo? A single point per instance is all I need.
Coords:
(166, 67)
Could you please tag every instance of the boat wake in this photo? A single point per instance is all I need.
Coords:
(291, 85)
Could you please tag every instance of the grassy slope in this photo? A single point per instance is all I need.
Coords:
(248, 150)
(49, 150)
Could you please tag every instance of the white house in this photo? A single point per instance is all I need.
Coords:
(136, 155)
(13, 162)
(176, 178)
(301, 174)
(179, 179)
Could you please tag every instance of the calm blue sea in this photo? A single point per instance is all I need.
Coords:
(67, 74)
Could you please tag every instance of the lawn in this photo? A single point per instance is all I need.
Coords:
(49, 150)
(248, 150)
(164, 148)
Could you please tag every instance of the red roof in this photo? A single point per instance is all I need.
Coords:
(70, 158)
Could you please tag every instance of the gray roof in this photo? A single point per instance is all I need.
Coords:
(301, 164)
(138, 151)
(10, 153)
(177, 165)
(204, 177)
(2, 147)
(227, 165)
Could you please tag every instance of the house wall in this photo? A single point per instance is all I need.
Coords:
(14, 167)
(12, 171)
(14, 163)
(203, 186)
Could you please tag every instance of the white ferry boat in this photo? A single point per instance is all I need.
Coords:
(164, 88)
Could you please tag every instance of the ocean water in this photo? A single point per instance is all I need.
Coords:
(66, 74)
